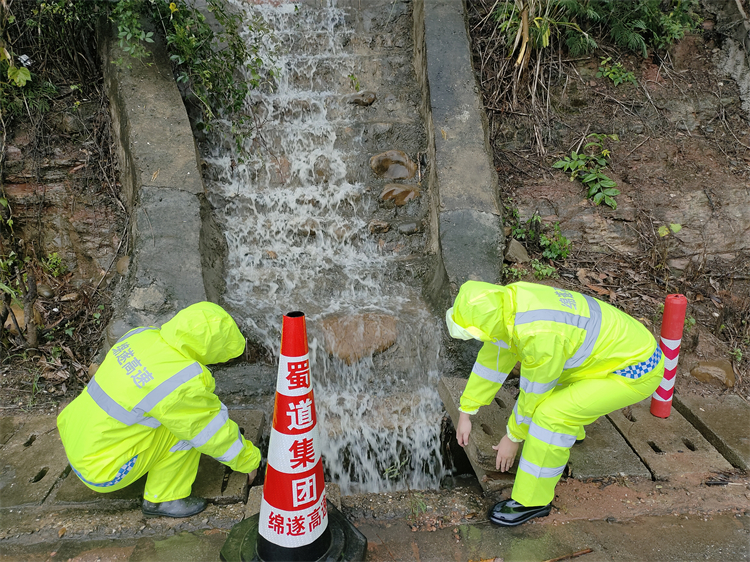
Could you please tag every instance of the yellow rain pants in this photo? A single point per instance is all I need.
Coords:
(580, 359)
(151, 408)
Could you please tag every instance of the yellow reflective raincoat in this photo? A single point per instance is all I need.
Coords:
(151, 408)
(580, 359)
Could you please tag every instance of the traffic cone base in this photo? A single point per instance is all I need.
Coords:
(661, 409)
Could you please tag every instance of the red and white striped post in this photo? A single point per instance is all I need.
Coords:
(293, 522)
(672, 325)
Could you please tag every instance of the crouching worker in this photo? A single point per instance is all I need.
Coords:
(580, 359)
(150, 409)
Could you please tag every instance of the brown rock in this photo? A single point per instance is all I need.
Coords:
(393, 164)
(350, 338)
(516, 253)
(399, 194)
(719, 373)
(122, 265)
(364, 98)
(378, 227)
(45, 290)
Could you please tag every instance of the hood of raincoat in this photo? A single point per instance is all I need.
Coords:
(483, 310)
(205, 332)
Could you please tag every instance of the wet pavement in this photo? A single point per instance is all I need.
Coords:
(661, 538)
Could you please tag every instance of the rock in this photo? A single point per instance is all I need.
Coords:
(122, 265)
(308, 228)
(393, 164)
(350, 338)
(409, 227)
(147, 298)
(363, 99)
(718, 373)
(516, 253)
(378, 227)
(399, 194)
(45, 291)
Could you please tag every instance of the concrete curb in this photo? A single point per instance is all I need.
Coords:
(177, 249)
(467, 230)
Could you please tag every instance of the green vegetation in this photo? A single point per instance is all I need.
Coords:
(615, 72)
(538, 237)
(512, 274)
(736, 353)
(48, 57)
(542, 270)
(637, 25)
(208, 64)
(555, 245)
(588, 167)
(54, 265)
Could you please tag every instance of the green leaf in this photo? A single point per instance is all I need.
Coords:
(598, 198)
(593, 189)
(589, 178)
(19, 75)
(675, 227)
(663, 231)
(611, 202)
(559, 164)
(611, 192)
(606, 182)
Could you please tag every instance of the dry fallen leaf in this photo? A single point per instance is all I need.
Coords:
(598, 290)
(155, 174)
(61, 532)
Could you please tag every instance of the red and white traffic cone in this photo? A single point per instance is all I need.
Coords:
(672, 325)
(293, 522)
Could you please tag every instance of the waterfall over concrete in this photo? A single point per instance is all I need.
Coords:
(296, 204)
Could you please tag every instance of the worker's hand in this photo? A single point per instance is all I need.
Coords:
(251, 477)
(506, 453)
(463, 429)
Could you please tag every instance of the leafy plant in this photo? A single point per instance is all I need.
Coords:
(615, 72)
(542, 270)
(587, 166)
(354, 82)
(54, 265)
(555, 245)
(533, 25)
(737, 354)
(512, 274)
(539, 237)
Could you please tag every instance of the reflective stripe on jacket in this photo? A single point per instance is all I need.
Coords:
(155, 377)
(559, 337)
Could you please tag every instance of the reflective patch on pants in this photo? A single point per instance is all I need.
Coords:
(124, 469)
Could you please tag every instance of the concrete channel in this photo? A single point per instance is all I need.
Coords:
(177, 259)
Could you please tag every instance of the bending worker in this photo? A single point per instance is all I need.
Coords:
(580, 359)
(150, 409)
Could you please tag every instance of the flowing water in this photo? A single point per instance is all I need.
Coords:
(296, 213)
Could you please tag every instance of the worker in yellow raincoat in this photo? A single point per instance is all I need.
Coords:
(150, 408)
(580, 359)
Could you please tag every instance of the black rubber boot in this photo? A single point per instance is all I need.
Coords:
(509, 513)
(184, 507)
